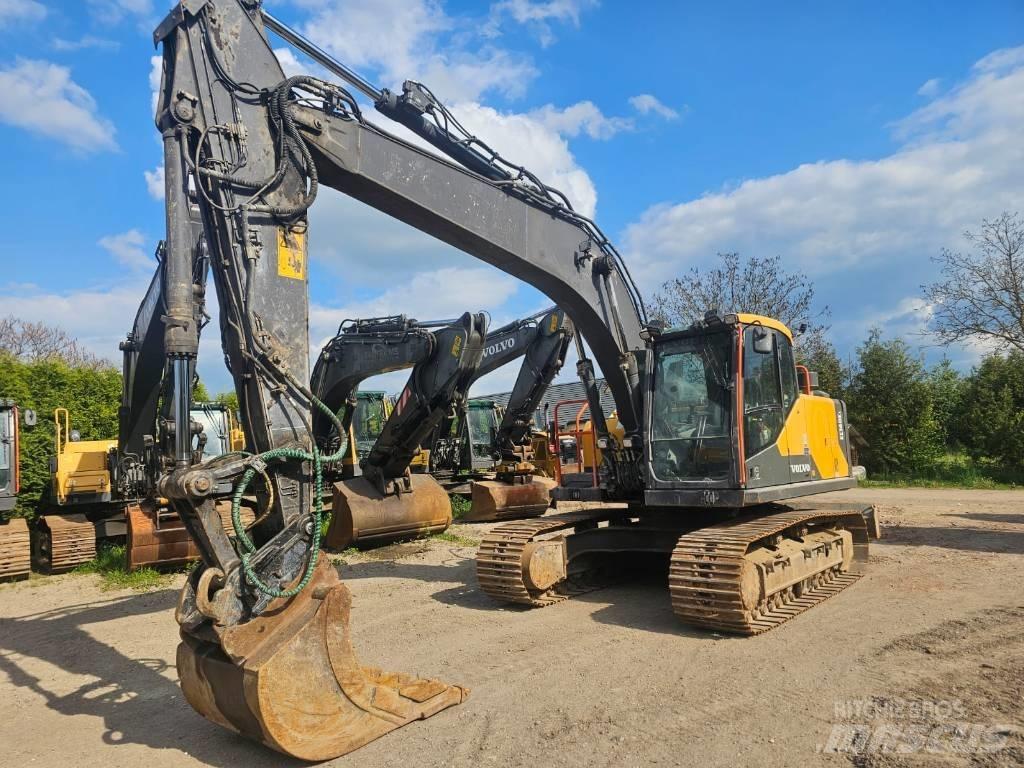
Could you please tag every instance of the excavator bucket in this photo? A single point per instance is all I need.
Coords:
(497, 500)
(290, 679)
(158, 539)
(361, 514)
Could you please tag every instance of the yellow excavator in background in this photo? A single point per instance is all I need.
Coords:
(84, 506)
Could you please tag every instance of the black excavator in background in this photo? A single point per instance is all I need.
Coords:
(492, 466)
(380, 499)
(717, 443)
(15, 547)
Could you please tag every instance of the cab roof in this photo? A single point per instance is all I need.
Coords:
(732, 318)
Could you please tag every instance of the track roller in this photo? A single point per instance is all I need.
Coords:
(749, 575)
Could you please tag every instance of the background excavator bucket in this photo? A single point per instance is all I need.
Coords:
(158, 539)
(290, 679)
(497, 500)
(361, 514)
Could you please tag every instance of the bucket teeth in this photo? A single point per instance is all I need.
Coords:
(290, 679)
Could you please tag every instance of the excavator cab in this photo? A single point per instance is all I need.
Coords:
(735, 377)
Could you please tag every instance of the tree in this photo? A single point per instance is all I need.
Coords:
(820, 356)
(758, 286)
(980, 296)
(229, 399)
(890, 403)
(32, 342)
(91, 395)
(991, 414)
(947, 389)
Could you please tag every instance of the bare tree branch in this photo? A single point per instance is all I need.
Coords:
(35, 341)
(980, 294)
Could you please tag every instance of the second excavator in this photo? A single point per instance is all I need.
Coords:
(383, 500)
(491, 462)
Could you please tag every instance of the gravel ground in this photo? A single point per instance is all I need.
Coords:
(922, 655)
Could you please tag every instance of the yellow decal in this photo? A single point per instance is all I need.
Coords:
(291, 254)
(554, 323)
(457, 346)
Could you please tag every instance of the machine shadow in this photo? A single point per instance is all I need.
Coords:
(964, 539)
(993, 517)
(461, 572)
(137, 703)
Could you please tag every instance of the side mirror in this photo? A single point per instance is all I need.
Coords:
(28, 416)
(763, 341)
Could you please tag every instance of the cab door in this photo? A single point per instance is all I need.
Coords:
(795, 440)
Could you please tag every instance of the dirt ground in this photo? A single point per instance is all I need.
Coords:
(922, 655)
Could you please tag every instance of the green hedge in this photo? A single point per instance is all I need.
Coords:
(91, 396)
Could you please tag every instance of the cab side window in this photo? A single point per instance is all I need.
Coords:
(763, 413)
(787, 365)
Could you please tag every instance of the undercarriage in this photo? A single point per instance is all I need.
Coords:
(745, 573)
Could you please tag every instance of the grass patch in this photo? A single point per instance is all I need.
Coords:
(454, 538)
(460, 506)
(111, 565)
(951, 471)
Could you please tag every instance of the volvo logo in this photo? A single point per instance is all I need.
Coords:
(499, 346)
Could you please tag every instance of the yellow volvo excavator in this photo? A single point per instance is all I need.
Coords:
(715, 473)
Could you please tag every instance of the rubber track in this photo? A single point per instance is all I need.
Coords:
(499, 566)
(705, 571)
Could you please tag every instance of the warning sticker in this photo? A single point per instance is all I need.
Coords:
(291, 254)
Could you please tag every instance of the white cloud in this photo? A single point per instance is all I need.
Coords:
(155, 182)
(930, 87)
(537, 14)
(429, 295)
(127, 249)
(959, 163)
(82, 43)
(156, 72)
(20, 11)
(419, 45)
(581, 117)
(645, 104)
(98, 318)
(41, 97)
(113, 11)
(525, 140)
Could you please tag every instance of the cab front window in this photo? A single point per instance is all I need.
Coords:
(691, 408)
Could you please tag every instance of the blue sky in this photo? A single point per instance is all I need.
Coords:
(852, 139)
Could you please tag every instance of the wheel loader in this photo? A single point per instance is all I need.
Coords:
(714, 476)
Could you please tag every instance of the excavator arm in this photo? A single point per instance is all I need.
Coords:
(387, 502)
(543, 359)
(363, 348)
